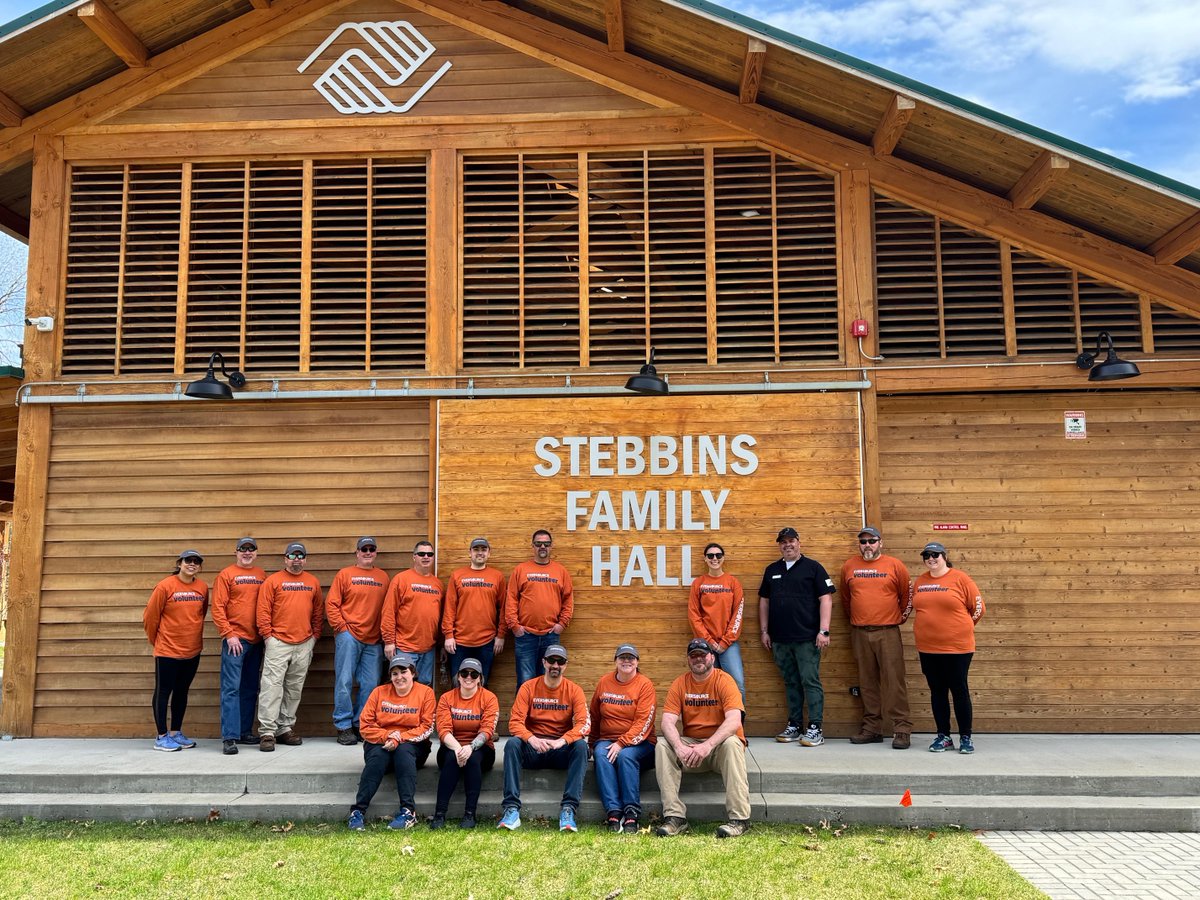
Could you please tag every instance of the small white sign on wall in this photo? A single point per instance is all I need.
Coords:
(1075, 424)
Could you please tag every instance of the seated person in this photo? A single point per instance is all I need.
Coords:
(466, 723)
(623, 739)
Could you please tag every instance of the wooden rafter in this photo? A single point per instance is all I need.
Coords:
(1038, 178)
(1177, 243)
(614, 24)
(892, 124)
(11, 112)
(261, 4)
(111, 29)
(14, 224)
(752, 70)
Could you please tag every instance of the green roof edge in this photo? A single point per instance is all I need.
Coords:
(1039, 134)
(40, 13)
(12, 372)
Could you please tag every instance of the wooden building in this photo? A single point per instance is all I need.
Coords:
(438, 236)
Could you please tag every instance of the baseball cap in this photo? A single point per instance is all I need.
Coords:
(934, 547)
(403, 659)
(295, 547)
(247, 540)
(699, 644)
(480, 542)
(873, 532)
(786, 534)
(555, 650)
(187, 553)
(471, 664)
(366, 542)
(627, 648)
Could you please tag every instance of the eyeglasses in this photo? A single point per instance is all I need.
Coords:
(368, 550)
(247, 549)
(423, 553)
(930, 555)
(467, 673)
(297, 556)
(542, 543)
(698, 654)
(555, 661)
(193, 561)
(868, 540)
(714, 555)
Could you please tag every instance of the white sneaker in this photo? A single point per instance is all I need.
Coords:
(812, 737)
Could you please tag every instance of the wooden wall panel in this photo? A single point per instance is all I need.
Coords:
(1081, 548)
(130, 486)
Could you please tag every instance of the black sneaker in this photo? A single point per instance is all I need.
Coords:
(629, 824)
(438, 821)
(229, 748)
(467, 821)
(250, 740)
(613, 821)
(346, 738)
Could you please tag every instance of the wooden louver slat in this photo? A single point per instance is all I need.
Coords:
(1173, 331)
(93, 271)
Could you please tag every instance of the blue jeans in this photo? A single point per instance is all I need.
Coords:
(528, 649)
(519, 755)
(425, 663)
(484, 654)
(239, 689)
(620, 784)
(353, 661)
(731, 662)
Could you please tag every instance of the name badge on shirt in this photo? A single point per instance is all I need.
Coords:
(773, 577)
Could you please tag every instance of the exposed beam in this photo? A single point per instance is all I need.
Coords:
(892, 124)
(1177, 243)
(11, 112)
(261, 4)
(752, 69)
(13, 224)
(111, 29)
(1032, 186)
(1032, 376)
(614, 24)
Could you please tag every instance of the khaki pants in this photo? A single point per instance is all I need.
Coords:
(879, 651)
(729, 759)
(285, 666)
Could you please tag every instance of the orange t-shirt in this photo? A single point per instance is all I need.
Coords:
(561, 712)
(290, 607)
(386, 712)
(474, 613)
(174, 617)
(355, 602)
(623, 712)
(946, 611)
(701, 705)
(234, 601)
(875, 592)
(412, 611)
(715, 609)
(539, 597)
(466, 718)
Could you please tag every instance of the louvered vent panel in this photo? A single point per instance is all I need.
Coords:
(214, 302)
(339, 265)
(398, 264)
(1174, 331)
(93, 271)
(678, 296)
(743, 186)
(1103, 307)
(491, 265)
(906, 280)
(273, 267)
(806, 225)
(972, 295)
(1043, 305)
(550, 235)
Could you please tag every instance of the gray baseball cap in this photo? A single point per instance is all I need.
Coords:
(555, 650)
(403, 659)
(873, 532)
(627, 649)
(480, 542)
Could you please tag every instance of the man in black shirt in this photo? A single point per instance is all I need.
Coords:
(795, 601)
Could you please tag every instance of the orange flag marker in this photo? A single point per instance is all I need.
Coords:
(906, 800)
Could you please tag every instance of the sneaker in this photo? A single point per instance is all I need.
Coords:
(167, 743)
(467, 821)
(229, 748)
(566, 820)
(630, 824)
(789, 734)
(901, 741)
(267, 743)
(250, 740)
(184, 742)
(356, 822)
(406, 818)
(671, 826)
(289, 739)
(733, 828)
(346, 737)
(941, 743)
(438, 821)
(965, 745)
(866, 737)
(511, 819)
(613, 821)
(812, 737)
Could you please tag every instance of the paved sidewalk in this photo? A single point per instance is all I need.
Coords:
(1091, 865)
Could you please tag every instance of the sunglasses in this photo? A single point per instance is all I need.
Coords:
(192, 561)
(930, 555)
(423, 553)
(714, 555)
(868, 540)
(247, 549)
(297, 556)
(555, 661)
(467, 673)
(368, 550)
(542, 543)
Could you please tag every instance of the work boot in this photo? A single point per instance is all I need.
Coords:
(866, 737)
(671, 826)
(901, 741)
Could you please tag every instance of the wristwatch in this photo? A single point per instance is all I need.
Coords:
(825, 633)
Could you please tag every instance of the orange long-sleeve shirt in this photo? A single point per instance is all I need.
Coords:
(875, 592)
(290, 607)
(412, 611)
(715, 609)
(410, 718)
(474, 613)
(235, 601)
(355, 601)
(623, 712)
(561, 712)
(702, 705)
(174, 617)
(946, 611)
(466, 718)
(539, 597)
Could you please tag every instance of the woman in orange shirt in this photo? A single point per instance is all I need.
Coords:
(466, 723)
(946, 604)
(174, 623)
(622, 736)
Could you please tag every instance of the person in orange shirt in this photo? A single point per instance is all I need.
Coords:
(715, 609)
(875, 591)
(947, 605)
(466, 720)
(538, 610)
(234, 598)
(396, 725)
(412, 612)
(174, 623)
(548, 725)
(473, 621)
(622, 737)
(290, 614)
(354, 606)
(702, 732)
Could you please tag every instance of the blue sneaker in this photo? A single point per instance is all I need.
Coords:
(184, 742)
(566, 820)
(941, 743)
(511, 819)
(356, 822)
(965, 745)
(406, 818)
(167, 743)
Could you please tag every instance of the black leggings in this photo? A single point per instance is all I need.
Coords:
(946, 673)
(172, 678)
(481, 761)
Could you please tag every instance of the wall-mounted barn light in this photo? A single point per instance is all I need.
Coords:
(648, 381)
(208, 388)
(1113, 367)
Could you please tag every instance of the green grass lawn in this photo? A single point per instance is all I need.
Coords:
(226, 859)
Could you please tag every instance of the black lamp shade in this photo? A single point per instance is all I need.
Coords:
(1112, 369)
(208, 388)
(648, 381)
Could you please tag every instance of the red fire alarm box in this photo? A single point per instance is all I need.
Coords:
(859, 328)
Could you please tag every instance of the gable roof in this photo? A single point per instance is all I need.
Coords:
(48, 56)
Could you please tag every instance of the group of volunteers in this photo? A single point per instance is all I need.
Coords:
(269, 626)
